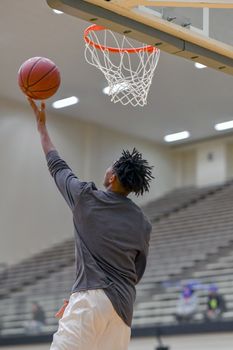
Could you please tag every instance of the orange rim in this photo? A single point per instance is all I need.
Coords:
(96, 27)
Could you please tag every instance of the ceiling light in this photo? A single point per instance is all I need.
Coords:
(115, 88)
(224, 126)
(177, 136)
(57, 12)
(199, 65)
(65, 102)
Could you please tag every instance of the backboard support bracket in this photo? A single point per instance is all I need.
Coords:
(167, 37)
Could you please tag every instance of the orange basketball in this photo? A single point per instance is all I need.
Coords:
(39, 78)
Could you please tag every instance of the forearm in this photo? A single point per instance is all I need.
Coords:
(46, 142)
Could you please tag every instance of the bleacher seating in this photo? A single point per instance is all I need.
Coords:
(13, 278)
(160, 308)
(192, 238)
(177, 199)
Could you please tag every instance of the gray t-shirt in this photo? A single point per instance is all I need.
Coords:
(111, 238)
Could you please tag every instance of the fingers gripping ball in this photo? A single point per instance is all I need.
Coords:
(39, 78)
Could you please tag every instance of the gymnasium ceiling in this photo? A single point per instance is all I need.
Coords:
(181, 97)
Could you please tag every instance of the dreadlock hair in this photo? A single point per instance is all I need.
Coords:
(133, 172)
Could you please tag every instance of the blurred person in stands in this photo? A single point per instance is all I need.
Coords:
(187, 305)
(111, 245)
(36, 324)
(215, 305)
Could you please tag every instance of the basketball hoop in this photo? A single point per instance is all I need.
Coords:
(128, 70)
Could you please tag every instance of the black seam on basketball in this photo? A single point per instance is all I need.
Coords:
(32, 69)
(43, 76)
(21, 79)
(31, 93)
(51, 88)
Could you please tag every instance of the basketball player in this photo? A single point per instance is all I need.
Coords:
(111, 245)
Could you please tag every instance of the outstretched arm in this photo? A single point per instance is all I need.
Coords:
(68, 184)
(46, 142)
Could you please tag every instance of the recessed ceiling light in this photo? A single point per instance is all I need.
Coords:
(65, 102)
(57, 12)
(177, 136)
(224, 126)
(115, 88)
(199, 65)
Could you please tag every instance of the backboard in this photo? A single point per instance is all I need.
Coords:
(201, 31)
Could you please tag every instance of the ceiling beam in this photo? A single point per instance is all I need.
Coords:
(169, 37)
(180, 3)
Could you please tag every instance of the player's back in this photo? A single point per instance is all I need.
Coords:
(112, 237)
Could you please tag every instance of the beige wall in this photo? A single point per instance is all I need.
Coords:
(211, 163)
(33, 216)
(229, 158)
(185, 168)
(204, 163)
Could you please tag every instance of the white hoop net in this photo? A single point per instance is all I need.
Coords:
(129, 75)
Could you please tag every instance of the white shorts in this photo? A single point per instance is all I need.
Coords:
(91, 323)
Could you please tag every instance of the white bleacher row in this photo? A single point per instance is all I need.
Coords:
(161, 308)
(166, 264)
(155, 312)
(37, 266)
(160, 312)
(196, 231)
(178, 198)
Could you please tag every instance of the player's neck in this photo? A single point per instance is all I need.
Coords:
(117, 190)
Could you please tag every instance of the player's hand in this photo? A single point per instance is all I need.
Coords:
(60, 313)
(39, 113)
